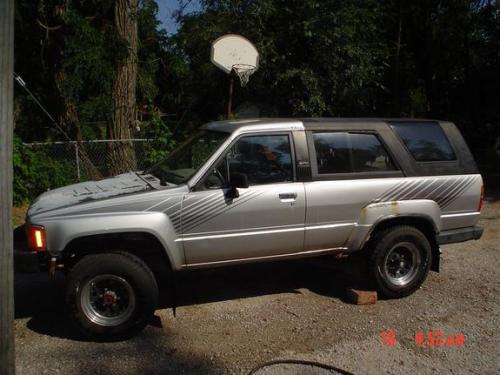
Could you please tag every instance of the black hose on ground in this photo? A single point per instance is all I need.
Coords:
(298, 362)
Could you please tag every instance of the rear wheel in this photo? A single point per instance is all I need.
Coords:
(111, 295)
(400, 261)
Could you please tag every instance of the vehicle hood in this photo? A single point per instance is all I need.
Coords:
(90, 191)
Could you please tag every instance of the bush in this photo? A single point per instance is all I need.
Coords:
(35, 172)
(155, 128)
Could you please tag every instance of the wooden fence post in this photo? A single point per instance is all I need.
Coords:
(7, 366)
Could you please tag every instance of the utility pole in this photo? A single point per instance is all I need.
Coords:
(7, 366)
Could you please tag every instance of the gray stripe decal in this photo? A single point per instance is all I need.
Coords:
(451, 199)
(184, 209)
(224, 207)
(442, 191)
(454, 188)
(204, 211)
(157, 204)
(218, 209)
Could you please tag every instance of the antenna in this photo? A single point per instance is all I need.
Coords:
(22, 83)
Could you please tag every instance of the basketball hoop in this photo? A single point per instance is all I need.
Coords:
(234, 55)
(244, 71)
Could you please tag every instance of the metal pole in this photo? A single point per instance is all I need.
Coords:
(7, 366)
(230, 100)
(77, 158)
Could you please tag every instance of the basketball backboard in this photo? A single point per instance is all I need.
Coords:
(232, 49)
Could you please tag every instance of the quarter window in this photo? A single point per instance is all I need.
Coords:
(425, 141)
(368, 154)
(350, 152)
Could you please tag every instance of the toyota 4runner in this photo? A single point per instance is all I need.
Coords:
(255, 191)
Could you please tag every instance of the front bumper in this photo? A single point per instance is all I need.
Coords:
(25, 260)
(460, 235)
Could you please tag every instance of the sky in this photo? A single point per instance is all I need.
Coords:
(166, 9)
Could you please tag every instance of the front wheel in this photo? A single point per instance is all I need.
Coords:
(400, 261)
(111, 295)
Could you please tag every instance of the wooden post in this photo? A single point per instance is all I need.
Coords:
(6, 229)
(230, 96)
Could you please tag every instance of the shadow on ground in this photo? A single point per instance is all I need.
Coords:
(42, 299)
(323, 276)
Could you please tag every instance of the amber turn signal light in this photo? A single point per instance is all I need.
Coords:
(36, 238)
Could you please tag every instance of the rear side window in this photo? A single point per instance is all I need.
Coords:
(350, 153)
(425, 141)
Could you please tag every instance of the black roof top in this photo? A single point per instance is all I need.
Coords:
(361, 119)
(231, 125)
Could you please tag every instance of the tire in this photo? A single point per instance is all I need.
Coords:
(111, 296)
(400, 260)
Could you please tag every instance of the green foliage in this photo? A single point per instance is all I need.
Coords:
(75, 61)
(155, 128)
(317, 58)
(35, 172)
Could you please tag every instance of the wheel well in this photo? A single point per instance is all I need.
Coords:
(141, 244)
(421, 223)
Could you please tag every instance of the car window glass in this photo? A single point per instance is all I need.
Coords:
(425, 141)
(332, 152)
(217, 177)
(368, 154)
(264, 159)
(338, 152)
(182, 163)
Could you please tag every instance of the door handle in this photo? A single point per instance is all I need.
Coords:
(287, 197)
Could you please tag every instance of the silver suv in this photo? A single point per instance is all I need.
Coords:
(260, 190)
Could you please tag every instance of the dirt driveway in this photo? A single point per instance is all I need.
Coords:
(232, 320)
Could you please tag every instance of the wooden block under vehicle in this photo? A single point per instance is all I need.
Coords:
(362, 297)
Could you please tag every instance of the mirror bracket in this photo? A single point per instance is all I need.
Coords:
(232, 193)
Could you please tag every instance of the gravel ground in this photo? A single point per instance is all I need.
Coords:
(231, 320)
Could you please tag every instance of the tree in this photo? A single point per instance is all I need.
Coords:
(72, 56)
(123, 120)
(316, 58)
(348, 58)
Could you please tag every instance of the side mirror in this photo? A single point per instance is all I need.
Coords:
(238, 180)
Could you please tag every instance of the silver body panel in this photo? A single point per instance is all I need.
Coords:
(257, 223)
(204, 228)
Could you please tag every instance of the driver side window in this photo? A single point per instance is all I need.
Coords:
(264, 159)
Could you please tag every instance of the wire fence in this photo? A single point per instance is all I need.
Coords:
(77, 157)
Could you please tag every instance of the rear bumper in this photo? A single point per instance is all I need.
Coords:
(460, 235)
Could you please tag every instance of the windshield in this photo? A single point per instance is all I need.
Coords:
(187, 159)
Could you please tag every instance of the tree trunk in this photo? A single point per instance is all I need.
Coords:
(71, 123)
(121, 154)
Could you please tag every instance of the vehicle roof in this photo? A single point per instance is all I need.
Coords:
(230, 126)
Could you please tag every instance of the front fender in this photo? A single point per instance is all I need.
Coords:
(61, 230)
(375, 213)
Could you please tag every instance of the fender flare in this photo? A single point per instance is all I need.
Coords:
(374, 214)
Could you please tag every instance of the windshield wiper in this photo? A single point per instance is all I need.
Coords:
(144, 180)
(170, 173)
